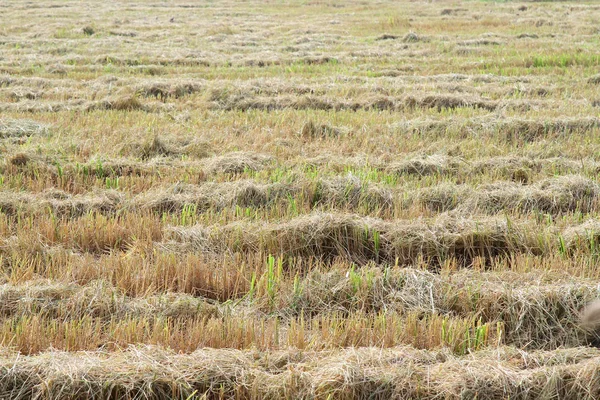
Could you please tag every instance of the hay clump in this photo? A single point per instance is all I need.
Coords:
(129, 103)
(566, 193)
(61, 204)
(238, 162)
(511, 129)
(172, 305)
(479, 42)
(583, 237)
(398, 290)
(250, 194)
(176, 198)
(349, 191)
(554, 196)
(210, 195)
(435, 164)
(12, 203)
(319, 60)
(310, 103)
(329, 236)
(537, 310)
(517, 169)
(164, 91)
(156, 147)
(312, 130)
(505, 164)
(530, 130)
(168, 148)
(102, 201)
(443, 197)
(97, 299)
(441, 102)
(18, 128)
(35, 295)
(381, 103)
(401, 372)
(123, 103)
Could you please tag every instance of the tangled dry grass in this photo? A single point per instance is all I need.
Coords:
(315, 200)
(154, 373)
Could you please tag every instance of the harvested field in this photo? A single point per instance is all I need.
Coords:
(301, 200)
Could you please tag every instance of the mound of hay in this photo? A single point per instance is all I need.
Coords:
(350, 192)
(441, 102)
(479, 42)
(61, 204)
(329, 236)
(124, 103)
(17, 128)
(443, 197)
(584, 237)
(165, 90)
(529, 130)
(537, 310)
(553, 196)
(103, 201)
(435, 164)
(210, 195)
(505, 165)
(402, 372)
(162, 147)
(312, 130)
(238, 162)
